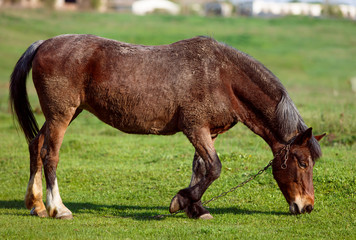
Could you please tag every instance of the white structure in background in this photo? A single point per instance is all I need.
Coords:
(217, 8)
(262, 8)
(22, 3)
(268, 8)
(143, 7)
(78, 4)
(348, 11)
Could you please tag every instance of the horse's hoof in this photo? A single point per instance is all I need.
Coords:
(66, 216)
(43, 213)
(174, 207)
(206, 216)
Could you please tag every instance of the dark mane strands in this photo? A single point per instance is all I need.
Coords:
(288, 118)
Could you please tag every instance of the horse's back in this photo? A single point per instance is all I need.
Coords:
(135, 88)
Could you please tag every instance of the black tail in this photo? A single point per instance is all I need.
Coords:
(18, 93)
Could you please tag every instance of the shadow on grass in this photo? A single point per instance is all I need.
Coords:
(143, 213)
(12, 204)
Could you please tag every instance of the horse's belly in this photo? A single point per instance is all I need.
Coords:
(153, 127)
(142, 125)
(139, 117)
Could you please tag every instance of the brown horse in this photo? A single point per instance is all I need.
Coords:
(198, 86)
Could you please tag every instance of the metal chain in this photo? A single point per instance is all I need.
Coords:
(239, 185)
(222, 194)
(284, 164)
(286, 148)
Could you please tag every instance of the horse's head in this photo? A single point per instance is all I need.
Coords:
(293, 171)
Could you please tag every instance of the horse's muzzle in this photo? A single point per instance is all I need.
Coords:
(295, 209)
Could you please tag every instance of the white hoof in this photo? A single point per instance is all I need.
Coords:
(66, 215)
(174, 207)
(206, 216)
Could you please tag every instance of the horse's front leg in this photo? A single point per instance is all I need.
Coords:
(206, 168)
(198, 169)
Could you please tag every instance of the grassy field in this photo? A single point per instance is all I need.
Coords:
(114, 182)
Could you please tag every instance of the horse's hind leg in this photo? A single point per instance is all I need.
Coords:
(55, 130)
(33, 198)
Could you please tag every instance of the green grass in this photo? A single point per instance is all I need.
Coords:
(114, 182)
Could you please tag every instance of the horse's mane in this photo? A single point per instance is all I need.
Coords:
(287, 117)
(290, 120)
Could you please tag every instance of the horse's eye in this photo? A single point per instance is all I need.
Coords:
(302, 164)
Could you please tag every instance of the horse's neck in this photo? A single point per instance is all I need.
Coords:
(266, 133)
(263, 103)
(258, 110)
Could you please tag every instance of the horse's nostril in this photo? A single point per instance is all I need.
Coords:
(294, 209)
(297, 211)
(309, 208)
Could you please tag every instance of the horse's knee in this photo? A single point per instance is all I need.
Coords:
(199, 166)
(215, 174)
(199, 170)
(215, 168)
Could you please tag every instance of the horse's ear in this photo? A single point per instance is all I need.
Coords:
(319, 137)
(303, 138)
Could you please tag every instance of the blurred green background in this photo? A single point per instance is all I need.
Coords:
(113, 181)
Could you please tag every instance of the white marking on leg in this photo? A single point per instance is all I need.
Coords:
(37, 186)
(53, 197)
(55, 205)
(34, 190)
